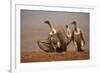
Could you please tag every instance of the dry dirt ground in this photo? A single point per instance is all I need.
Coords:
(43, 57)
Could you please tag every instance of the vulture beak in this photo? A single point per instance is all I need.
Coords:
(48, 22)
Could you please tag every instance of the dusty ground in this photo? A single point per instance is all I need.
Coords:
(42, 56)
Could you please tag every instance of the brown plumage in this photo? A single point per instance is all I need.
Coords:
(56, 41)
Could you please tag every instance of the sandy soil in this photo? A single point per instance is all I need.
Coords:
(43, 57)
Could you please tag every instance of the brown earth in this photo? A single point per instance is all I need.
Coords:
(43, 57)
